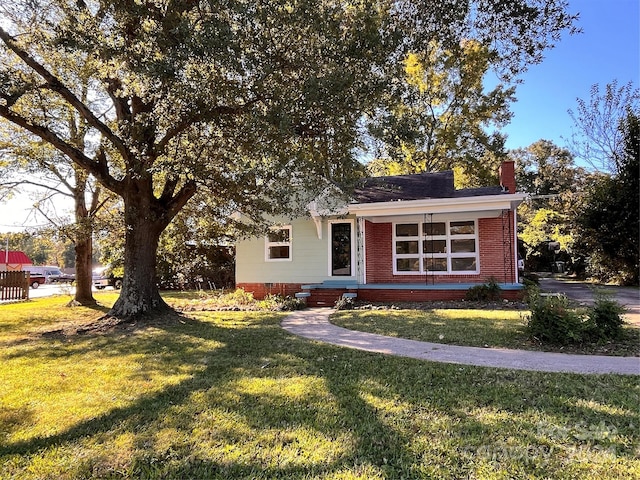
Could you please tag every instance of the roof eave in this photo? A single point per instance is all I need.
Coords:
(438, 205)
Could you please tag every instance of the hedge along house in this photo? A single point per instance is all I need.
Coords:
(401, 238)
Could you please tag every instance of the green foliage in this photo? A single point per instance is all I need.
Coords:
(555, 321)
(488, 291)
(279, 303)
(549, 175)
(344, 303)
(43, 247)
(609, 219)
(234, 300)
(606, 318)
(439, 117)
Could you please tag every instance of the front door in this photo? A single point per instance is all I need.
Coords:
(341, 249)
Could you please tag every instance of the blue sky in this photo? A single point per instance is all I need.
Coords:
(607, 49)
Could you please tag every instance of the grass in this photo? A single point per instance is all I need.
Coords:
(475, 328)
(231, 395)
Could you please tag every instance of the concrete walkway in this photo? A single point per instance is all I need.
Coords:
(313, 323)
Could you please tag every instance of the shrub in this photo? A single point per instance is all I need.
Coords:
(280, 303)
(552, 320)
(240, 297)
(606, 318)
(345, 303)
(485, 292)
(291, 303)
(531, 290)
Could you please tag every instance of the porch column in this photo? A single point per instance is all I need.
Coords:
(361, 257)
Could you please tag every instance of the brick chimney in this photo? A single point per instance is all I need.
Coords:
(507, 175)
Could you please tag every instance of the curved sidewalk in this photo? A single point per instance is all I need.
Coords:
(313, 323)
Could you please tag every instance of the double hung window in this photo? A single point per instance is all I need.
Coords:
(435, 247)
(278, 244)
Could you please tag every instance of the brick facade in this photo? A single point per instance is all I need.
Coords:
(328, 297)
(496, 258)
(261, 290)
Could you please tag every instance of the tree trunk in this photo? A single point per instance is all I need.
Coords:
(84, 252)
(83, 239)
(144, 224)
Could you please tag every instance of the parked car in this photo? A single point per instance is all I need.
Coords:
(103, 277)
(35, 280)
(58, 276)
(51, 273)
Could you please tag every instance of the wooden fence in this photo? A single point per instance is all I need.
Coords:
(14, 285)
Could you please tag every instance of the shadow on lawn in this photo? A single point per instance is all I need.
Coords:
(438, 407)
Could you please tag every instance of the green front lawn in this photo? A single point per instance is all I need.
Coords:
(230, 395)
(474, 328)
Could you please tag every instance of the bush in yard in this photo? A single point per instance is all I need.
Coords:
(344, 303)
(605, 318)
(553, 320)
(280, 303)
(531, 290)
(487, 291)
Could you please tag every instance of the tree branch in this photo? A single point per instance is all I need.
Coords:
(43, 185)
(179, 200)
(75, 154)
(56, 85)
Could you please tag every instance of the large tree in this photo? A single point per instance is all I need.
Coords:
(555, 185)
(49, 175)
(253, 101)
(609, 220)
(442, 116)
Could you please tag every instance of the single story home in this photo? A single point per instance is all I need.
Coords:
(401, 238)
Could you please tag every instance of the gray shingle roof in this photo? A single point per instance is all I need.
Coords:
(419, 186)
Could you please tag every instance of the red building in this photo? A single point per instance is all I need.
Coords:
(13, 260)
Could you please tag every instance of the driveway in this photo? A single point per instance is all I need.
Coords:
(584, 293)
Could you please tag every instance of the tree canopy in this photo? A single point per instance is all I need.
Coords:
(609, 218)
(441, 115)
(555, 185)
(253, 102)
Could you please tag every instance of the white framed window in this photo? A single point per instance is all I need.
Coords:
(447, 247)
(278, 244)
